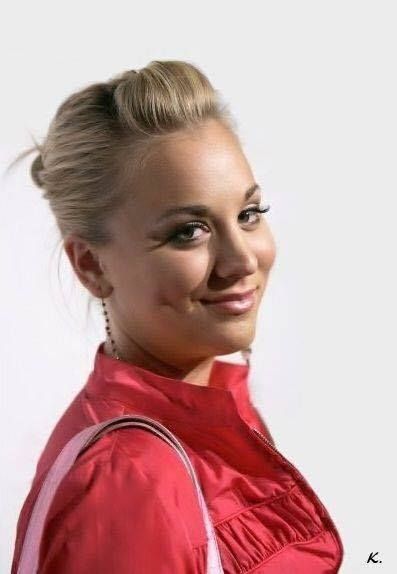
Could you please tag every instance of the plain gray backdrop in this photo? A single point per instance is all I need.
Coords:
(312, 85)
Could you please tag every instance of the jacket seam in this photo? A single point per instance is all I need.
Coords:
(247, 508)
(267, 501)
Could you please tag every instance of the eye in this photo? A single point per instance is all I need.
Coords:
(192, 225)
(257, 210)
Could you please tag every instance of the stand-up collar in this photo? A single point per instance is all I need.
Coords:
(166, 398)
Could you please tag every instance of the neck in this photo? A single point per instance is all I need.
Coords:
(199, 374)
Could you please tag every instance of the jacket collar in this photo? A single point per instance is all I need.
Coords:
(224, 402)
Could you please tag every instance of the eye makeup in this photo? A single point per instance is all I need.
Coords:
(175, 236)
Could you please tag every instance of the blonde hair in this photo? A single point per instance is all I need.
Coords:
(101, 134)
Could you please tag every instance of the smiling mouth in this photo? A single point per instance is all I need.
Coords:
(234, 306)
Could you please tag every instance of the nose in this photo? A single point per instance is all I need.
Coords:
(234, 256)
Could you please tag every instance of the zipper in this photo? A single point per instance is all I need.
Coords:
(303, 479)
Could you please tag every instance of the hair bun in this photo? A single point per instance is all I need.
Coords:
(35, 170)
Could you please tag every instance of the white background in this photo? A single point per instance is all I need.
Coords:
(312, 85)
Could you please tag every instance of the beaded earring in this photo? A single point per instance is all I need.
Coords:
(114, 351)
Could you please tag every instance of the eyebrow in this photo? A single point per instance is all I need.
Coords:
(202, 210)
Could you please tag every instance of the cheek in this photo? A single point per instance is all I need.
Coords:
(175, 278)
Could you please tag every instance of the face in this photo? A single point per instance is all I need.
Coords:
(159, 267)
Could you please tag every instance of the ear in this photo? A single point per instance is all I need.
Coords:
(87, 265)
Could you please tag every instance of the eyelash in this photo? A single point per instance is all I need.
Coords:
(200, 225)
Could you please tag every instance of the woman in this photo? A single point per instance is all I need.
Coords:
(161, 217)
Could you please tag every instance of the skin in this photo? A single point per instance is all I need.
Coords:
(152, 285)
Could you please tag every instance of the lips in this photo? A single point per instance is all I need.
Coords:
(234, 306)
(230, 297)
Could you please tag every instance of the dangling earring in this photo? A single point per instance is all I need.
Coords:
(114, 351)
(246, 353)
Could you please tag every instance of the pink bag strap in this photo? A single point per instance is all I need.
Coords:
(28, 563)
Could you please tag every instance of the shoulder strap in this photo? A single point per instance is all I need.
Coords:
(28, 563)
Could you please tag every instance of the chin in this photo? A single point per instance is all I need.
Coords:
(233, 344)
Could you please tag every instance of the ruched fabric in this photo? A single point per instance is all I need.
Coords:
(128, 505)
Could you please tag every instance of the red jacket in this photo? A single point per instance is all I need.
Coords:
(128, 506)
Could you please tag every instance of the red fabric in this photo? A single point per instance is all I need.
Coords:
(128, 506)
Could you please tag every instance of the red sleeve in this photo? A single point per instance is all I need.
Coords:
(114, 515)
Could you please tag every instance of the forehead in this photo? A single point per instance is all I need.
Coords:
(203, 165)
